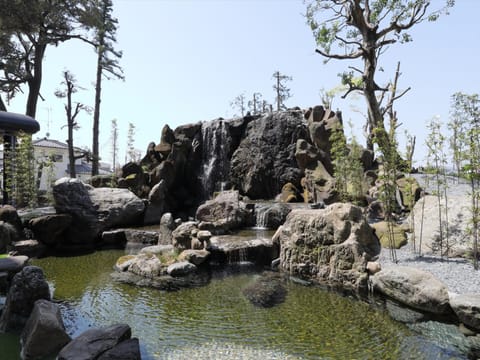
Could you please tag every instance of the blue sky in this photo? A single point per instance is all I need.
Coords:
(185, 61)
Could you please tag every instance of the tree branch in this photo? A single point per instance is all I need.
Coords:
(354, 55)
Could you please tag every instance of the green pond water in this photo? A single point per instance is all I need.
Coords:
(217, 322)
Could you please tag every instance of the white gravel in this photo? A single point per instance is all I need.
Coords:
(456, 273)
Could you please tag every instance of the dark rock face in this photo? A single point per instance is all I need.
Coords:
(265, 159)
(49, 229)
(126, 350)
(9, 214)
(94, 343)
(44, 332)
(330, 246)
(28, 286)
(266, 291)
(8, 235)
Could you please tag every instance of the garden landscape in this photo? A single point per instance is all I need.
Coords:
(276, 232)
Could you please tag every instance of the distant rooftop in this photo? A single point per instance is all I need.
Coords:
(50, 143)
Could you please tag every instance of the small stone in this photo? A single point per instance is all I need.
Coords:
(373, 267)
(181, 268)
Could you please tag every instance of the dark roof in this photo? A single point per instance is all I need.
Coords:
(12, 122)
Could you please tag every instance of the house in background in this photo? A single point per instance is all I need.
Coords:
(49, 150)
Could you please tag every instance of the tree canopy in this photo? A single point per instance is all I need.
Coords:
(27, 28)
(363, 29)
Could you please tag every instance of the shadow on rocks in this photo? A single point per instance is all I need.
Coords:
(267, 291)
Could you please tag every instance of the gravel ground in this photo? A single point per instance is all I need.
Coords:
(456, 273)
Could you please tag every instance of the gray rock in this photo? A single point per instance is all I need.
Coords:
(114, 238)
(413, 287)
(330, 246)
(204, 235)
(157, 194)
(196, 257)
(458, 221)
(44, 332)
(28, 286)
(8, 234)
(145, 237)
(13, 264)
(30, 248)
(182, 235)
(10, 215)
(94, 210)
(92, 343)
(225, 212)
(146, 265)
(158, 249)
(181, 268)
(126, 350)
(267, 291)
(467, 308)
(167, 225)
(49, 229)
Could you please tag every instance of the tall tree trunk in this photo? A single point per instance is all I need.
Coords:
(70, 121)
(96, 113)
(35, 81)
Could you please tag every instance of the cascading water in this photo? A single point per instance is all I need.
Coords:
(261, 216)
(215, 160)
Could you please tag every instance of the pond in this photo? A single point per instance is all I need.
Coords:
(217, 322)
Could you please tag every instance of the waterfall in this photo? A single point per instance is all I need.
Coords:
(215, 161)
(261, 220)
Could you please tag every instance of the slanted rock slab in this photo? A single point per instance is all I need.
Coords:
(413, 287)
(196, 257)
(467, 308)
(44, 332)
(181, 268)
(94, 342)
(126, 350)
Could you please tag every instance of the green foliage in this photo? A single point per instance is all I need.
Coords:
(21, 185)
(436, 143)
(348, 170)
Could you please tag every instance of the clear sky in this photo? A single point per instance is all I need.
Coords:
(185, 61)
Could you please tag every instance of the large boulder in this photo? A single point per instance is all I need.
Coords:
(28, 286)
(413, 287)
(44, 332)
(267, 291)
(95, 210)
(49, 229)
(399, 238)
(271, 216)
(126, 350)
(93, 343)
(330, 246)
(225, 212)
(182, 235)
(427, 224)
(467, 308)
(10, 215)
(265, 158)
(8, 235)
(146, 265)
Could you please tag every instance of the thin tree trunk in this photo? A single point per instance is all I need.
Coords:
(96, 113)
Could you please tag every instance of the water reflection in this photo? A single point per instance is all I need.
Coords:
(216, 321)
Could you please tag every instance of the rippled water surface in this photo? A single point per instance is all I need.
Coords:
(217, 322)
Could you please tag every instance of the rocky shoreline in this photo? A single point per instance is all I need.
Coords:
(457, 274)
